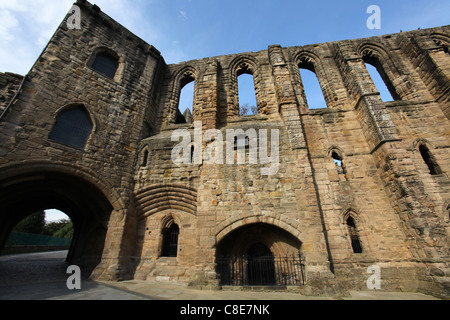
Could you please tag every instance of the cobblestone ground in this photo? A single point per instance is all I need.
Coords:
(42, 276)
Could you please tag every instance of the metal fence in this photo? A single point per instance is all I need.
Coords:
(26, 239)
(261, 271)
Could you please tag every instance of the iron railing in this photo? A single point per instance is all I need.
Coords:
(261, 271)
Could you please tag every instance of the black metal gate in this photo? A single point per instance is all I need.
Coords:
(261, 271)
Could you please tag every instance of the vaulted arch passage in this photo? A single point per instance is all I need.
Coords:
(37, 190)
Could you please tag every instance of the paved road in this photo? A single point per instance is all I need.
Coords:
(42, 276)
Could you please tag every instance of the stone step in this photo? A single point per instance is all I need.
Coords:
(166, 269)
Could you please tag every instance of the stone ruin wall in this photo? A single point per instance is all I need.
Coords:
(401, 210)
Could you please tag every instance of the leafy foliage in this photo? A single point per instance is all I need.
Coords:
(60, 229)
(35, 224)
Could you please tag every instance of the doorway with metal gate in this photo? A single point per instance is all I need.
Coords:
(260, 255)
(260, 266)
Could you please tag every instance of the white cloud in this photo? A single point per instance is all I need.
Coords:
(14, 5)
(25, 29)
(26, 26)
(54, 215)
(9, 22)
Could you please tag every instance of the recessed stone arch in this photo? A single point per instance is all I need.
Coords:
(442, 40)
(102, 50)
(309, 60)
(245, 64)
(391, 72)
(184, 75)
(234, 223)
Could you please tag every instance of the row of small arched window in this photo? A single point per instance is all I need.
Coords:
(312, 88)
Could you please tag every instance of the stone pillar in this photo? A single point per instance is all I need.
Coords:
(376, 122)
(119, 244)
(206, 104)
(431, 61)
(205, 258)
(287, 102)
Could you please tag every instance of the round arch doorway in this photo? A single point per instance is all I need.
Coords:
(259, 254)
(37, 190)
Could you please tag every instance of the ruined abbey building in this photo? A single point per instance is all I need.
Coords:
(361, 183)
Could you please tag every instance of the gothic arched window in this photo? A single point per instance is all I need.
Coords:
(73, 127)
(170, 241)
(313, 90)
(429, 160)
(380, 78)
(354, 237)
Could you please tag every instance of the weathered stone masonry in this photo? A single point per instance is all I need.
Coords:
(387, 204)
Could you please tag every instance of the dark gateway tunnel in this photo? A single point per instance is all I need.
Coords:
(32, 190)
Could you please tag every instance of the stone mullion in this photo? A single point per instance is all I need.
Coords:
(429, 59)
(376, 122)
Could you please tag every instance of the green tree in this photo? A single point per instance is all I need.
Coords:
(33, 224)
(59, 229)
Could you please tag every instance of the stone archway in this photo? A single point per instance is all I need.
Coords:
(28, 189)
(260, 254)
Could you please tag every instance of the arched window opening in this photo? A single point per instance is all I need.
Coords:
(381, 80)
(106, 64)
(247, 95)
(354, 237)
(338, 161)
(429, 160)
(145, 156)
(186, 103)
(170, 241)
(313, 90)
(192, 155)
(73, 127)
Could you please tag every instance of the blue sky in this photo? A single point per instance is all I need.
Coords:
(193, 29)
